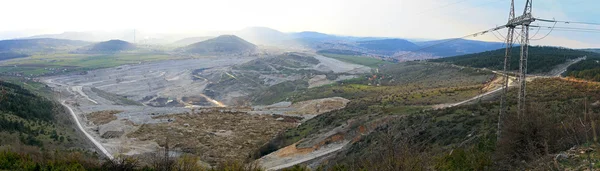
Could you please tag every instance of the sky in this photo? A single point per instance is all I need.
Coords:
(415, 19)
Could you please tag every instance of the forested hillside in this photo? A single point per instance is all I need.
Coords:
(588, 69)
(27, 118)
(542, 59)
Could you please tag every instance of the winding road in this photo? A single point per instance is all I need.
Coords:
(78, 122)
(96, 143)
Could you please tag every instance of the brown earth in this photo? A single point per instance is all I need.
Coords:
(353, 135)
(215, 136)
(494, 84)
(103, 117)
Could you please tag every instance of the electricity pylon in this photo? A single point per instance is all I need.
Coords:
(524, 21)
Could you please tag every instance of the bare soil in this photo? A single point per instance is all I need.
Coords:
(213, 135)
(103, 117)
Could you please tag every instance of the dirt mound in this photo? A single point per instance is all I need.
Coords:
(115, 129)
(318, 106)
(103, 117)
(494, 84)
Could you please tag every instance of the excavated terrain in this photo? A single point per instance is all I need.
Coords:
(213, 135)
(200, 104)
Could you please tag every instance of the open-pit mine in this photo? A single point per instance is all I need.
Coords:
(198, 106)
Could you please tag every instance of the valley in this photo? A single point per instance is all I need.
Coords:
(276, 110)
(303, 101)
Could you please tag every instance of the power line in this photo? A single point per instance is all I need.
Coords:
(503, 37)
(580, 31)
(552, 29)
(574, 28)
(497, 37)
(566, 28)
(567, 22)
(536, 32)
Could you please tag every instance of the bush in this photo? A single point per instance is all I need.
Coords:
(542, 132)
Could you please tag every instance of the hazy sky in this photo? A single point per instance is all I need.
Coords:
(430, 19)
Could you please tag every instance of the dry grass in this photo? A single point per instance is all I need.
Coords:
(103, 117)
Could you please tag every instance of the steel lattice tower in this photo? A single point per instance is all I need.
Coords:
(524, 21)
(528, 18)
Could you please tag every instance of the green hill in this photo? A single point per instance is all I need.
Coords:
(221, 44)
(541, 59)
(111, 46)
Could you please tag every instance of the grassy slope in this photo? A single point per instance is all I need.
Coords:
(463, 137)
(360, 60)
(405, 88)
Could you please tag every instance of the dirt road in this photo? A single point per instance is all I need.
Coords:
(96, 143)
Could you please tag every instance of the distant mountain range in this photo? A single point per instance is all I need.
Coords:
(19, 48)
(373, 45)
(592, 50)
(39, 45)
(87, 36)
(387, 46)
(263, 36)
(458, 47)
